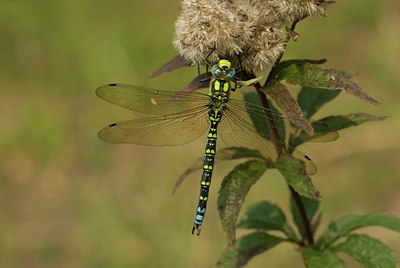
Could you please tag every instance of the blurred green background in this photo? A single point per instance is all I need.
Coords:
(69, 200)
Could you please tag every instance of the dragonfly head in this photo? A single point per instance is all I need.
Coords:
(223, 70)
(224, 64)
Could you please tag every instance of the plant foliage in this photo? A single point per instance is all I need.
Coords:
(319, 86)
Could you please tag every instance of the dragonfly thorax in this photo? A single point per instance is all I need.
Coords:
(219, 91)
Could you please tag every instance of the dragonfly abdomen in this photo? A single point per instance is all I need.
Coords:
(208, 166)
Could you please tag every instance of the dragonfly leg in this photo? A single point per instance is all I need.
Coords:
(239, 69)
(209, 54)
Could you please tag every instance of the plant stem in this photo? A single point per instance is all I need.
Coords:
(303, 216)
(278, 147)
(270, 121)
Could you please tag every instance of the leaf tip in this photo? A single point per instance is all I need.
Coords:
(374, 101)
(152, 74)
(384, 117)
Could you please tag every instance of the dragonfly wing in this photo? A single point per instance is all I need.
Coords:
(168, 130)
(236, 129)
(323, 131)
(150, 101)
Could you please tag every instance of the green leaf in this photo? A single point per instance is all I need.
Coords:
(325, 128)
(265, 216)
(282, 97)
(233, 191)
(312, 99)
(370, 252)
(310, 206)
(229, 153)
(310, 75)
(315, 258)
(293, 171)
(339, 122)
(285, 64)
(261, 123)
(247, 247)
(346, 224)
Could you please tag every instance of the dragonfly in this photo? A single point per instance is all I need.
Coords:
(182, 117)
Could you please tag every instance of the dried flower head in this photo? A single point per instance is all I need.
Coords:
(300, 8)
(255, 30)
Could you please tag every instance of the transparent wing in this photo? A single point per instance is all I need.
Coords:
(168, 130)
(236, 129)
(150, 101)
(255, 111)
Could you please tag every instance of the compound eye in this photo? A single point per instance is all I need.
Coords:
(231, 74)
(216, 72)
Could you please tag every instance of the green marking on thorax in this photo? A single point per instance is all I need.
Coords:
(217, 85)
(226, 87)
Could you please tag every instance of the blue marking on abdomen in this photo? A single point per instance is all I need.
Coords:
(200, 210)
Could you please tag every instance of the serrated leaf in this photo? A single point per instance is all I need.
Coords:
(233, 191)
(285, 64)
(281, 96)
(346, 224)
(247, 247)
(173, 64)
(310, 75)
(339, 122)
(312, 99)
(334, 123)
(315, 258)
(310, 206)
(229, 153)
(293, 171)
(261, 124)
(370, 252)
(265, 216)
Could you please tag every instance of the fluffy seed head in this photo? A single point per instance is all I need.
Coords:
(253, 29)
